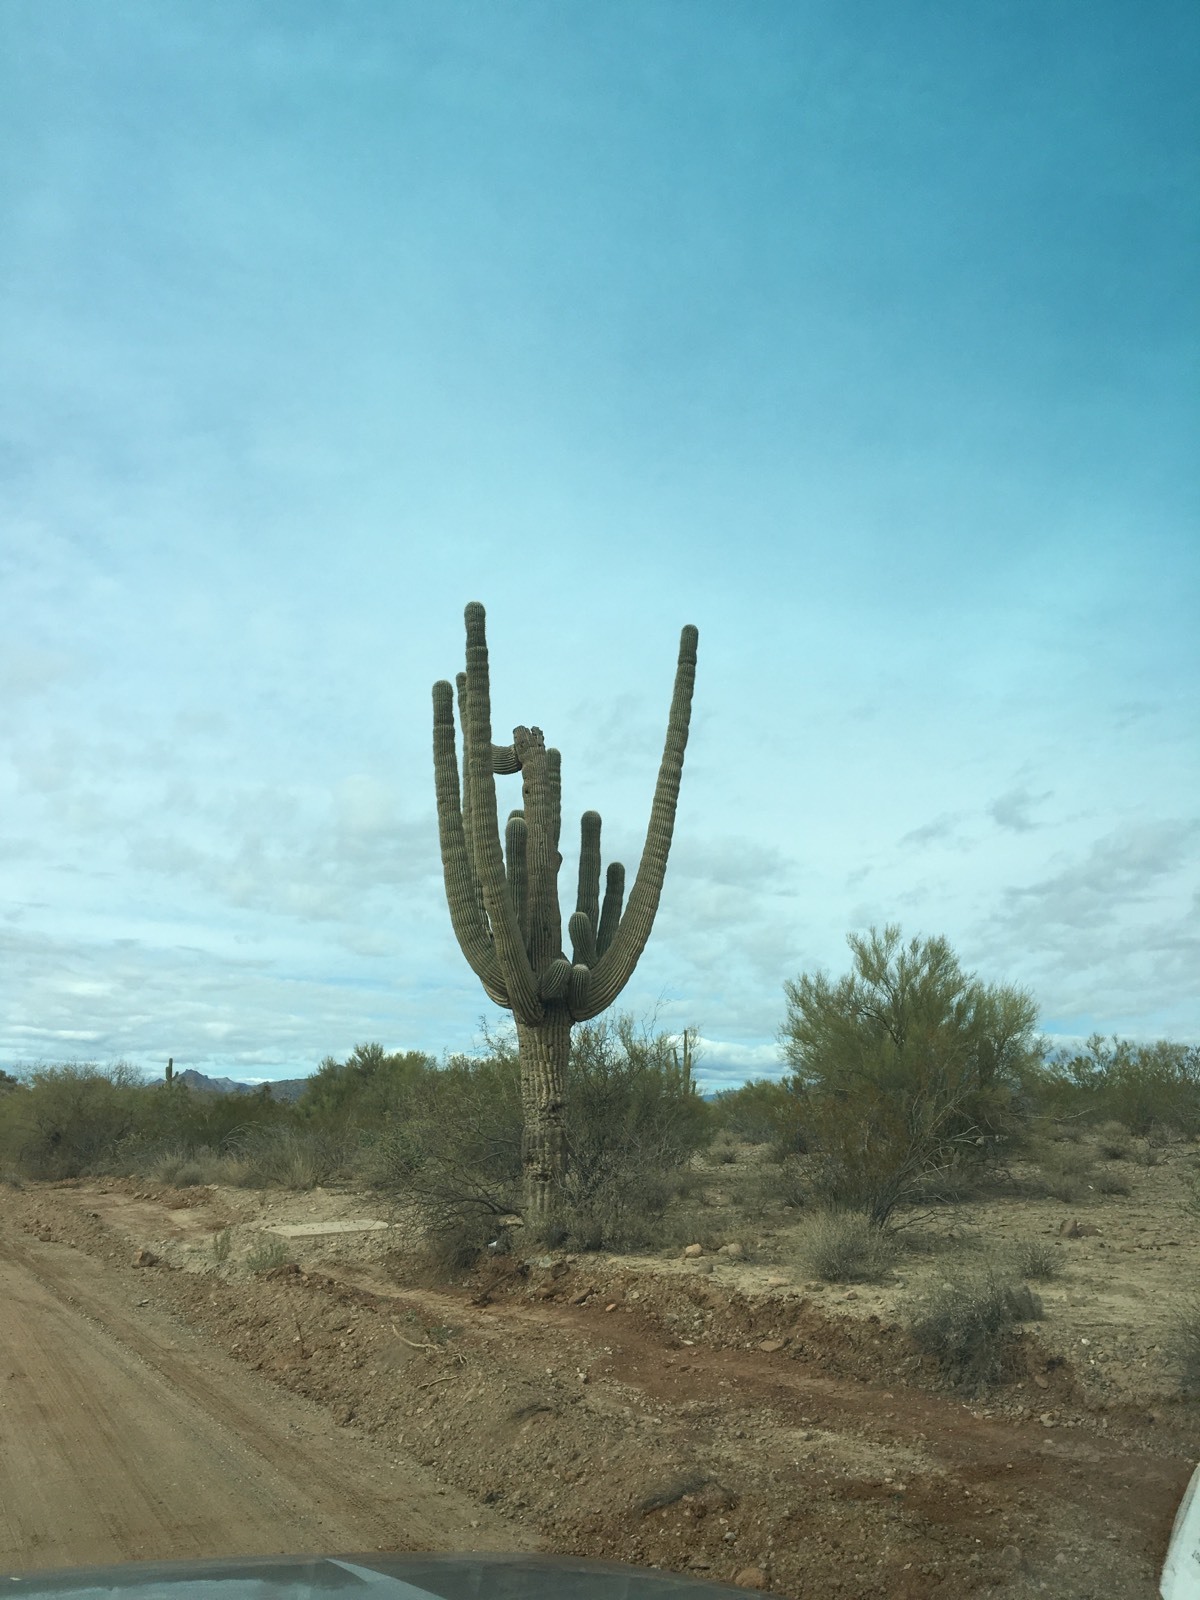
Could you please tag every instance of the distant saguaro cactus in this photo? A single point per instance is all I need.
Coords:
(504, 899)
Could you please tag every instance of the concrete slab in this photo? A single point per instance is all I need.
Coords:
(319, 1230)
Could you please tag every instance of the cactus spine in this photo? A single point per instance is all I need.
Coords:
(503, 897)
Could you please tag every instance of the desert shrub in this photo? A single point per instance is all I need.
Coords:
(370, 1087)
(285, 1157)
(222, 1244)
(969, 1323)
(634, 1121)
(64, 1121)
(905, 1069)
(724, 1150)
(181, 1170)
(1113, 1142)
(1110, 1182)
(1037, 1259)
(1183, 1344)
(1147, 1152)
(1064, 1170)
(267, 1254)
(1136, 1085)
(761, 1111)
(456, 1155)
(847, 1247)
(791, 1182)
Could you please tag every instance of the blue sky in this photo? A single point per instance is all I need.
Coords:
(862, 337)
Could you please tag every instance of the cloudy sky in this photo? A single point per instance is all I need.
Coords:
(862, 336)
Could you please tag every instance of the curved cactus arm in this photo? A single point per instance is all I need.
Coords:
(515, 969)
(583, 939)
(610, 915)
(613, 970)
(462, 888)
(587, 899)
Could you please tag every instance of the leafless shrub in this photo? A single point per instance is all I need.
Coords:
(847, 1247)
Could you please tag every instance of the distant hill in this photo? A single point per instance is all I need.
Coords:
(286, 1089)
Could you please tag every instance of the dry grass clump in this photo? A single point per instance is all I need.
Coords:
(969, 1325)
(847, 1247)
(1037, 1259)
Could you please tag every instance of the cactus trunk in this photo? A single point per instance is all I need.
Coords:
(544, 1050)
(503, 897)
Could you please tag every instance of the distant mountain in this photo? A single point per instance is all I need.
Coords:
(286, 1089)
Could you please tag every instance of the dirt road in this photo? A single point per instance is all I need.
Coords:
(122, 1436)
(608, 1408)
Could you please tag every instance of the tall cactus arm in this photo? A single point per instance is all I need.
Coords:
(544, 942)
(583, 939)
(515, 835)
(614, 898)
(588, 898)
(462, 889)
(517, 974)
(614, 968)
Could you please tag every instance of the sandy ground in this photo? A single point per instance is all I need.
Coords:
(727, 1418)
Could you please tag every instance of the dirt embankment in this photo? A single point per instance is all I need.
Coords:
(647, 1416)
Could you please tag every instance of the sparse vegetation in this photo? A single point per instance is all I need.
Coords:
(268, 1253)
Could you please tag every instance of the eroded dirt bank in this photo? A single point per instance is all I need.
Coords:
(650, 1417)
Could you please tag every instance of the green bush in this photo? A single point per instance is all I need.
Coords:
(969, 1323)
(847, 1247)
(905, 1070)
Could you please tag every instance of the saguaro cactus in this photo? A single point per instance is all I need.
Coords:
(504, 898)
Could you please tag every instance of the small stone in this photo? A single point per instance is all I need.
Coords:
(691, 1251)
(1047, 1419)
(611, 1306)
(776, 1283)
(750, 1578)
(144, 1258)
(733, 1249)
(769, 1346)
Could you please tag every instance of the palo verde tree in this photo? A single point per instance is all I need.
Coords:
(503, 898)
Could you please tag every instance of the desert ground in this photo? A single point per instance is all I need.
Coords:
(216, 1371)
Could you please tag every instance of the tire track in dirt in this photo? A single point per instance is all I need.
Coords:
(123, 1437)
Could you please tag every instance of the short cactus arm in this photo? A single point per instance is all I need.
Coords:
(614, 968)
(614, 898)
(515, 969)
(462, 888)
